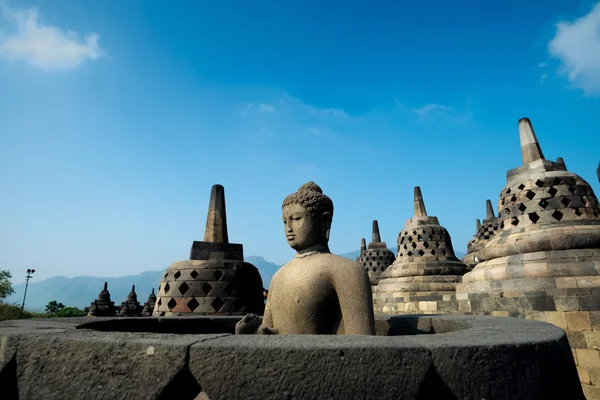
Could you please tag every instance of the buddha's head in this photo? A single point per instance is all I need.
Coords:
(307, 216)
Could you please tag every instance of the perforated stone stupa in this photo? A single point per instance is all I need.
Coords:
(485, 232)
(425, 270)
(102, 306)
(215, 280)
(544, 263)
(377, 257)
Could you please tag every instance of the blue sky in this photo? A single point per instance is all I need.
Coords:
(117, 117)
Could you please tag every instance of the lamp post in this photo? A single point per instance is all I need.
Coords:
(30, 273)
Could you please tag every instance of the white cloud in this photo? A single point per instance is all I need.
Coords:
(431, 109)
(45, 47)
(577, 45)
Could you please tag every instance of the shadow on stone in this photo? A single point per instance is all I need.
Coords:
(183, 386)
(422, 325)
(8, 380)
(178, 325)
(434, 387)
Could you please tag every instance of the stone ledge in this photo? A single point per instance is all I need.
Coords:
(442, 357)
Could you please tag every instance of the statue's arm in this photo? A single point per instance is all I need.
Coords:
(353, 288)
(266, 327)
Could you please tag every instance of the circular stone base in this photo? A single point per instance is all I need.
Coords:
(413, 357)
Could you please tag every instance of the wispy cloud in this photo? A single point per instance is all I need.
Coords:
(576, 45)
(258, 107)
(431, 109)
(43, 46)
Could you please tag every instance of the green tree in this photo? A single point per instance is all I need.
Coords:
(53, 307)
(6, 288)
(70, 312)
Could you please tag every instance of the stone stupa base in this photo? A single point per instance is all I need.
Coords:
(559, 287)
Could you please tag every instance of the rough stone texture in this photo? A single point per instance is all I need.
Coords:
(544, 263)
(440, 357)
(131, 307)
(377, 258)
(215, 280)
(316, 292)
(102, 306)
(425, 270)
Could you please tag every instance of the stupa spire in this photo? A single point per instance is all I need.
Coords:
(363, 245)
(216, 221)
(489, 209)
(105, 287)
(561, 161)
(376, 238)
(420, 210)
(530, 147)
(477, 224)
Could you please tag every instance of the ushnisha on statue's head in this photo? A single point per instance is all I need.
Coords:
(307, 216)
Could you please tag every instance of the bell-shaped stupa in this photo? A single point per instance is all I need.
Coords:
(550, 229)
(149, 305)
(102, 306)
(485, 232)
(215, 280)
(377, 257)
(363, 248)
(131, 306)
(425, 269)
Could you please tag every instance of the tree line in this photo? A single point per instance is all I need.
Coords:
(53, 309)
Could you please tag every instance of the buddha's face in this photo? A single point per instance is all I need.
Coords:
(303, 230)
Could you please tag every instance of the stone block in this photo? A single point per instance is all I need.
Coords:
(536, 269)
(577, 340)
(566, 303)
(566, 282)
(595, 376)
(588, 358)
(500, 313)
(584, 375)
(589, 303)
(595, 320)
(557, 318)
(535, 315)
(588, 281)
(578, 320)
(591, 392)
(592, 339)
(464, 305)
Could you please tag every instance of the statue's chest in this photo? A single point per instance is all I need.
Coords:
(306, 292)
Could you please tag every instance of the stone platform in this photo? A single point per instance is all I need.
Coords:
(412, 357)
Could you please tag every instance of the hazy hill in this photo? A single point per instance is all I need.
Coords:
(80, 291)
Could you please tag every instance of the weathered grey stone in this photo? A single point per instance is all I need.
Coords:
(377, 258)
(215, 280)
(316, 292)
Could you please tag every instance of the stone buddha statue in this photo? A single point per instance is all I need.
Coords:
(316, 292)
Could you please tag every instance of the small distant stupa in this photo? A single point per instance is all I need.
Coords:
(102, 306)
(485, 232)
(149, 305)
(377, 257)
(131, 306)
(215, 280)
(363, 248)
(425, 267)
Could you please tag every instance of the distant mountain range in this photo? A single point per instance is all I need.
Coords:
(80, 291)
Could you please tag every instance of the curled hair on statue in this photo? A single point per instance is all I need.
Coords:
(311, 197)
